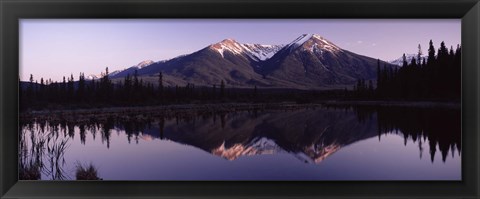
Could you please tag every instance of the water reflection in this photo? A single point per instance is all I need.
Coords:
(310, 135)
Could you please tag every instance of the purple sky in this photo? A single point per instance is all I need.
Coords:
(53, 48)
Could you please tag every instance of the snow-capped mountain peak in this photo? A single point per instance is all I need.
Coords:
(257, 52)
(299, 41)
(92, 77)
(261, 52)
(313, 43)
(229, 45)
(144, 64)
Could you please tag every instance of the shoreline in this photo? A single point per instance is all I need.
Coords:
(415, 104)
(146, 112)
(189, 110)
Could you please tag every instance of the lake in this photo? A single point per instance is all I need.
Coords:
(319, 143)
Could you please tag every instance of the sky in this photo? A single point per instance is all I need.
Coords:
(53, 48)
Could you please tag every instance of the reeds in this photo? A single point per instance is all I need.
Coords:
(88, 172)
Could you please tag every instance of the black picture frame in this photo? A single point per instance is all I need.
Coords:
(13, 10)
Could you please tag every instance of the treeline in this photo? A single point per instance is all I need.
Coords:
(133, 91)
(437, 77)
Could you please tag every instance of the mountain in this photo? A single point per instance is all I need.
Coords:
(312, 61)
(399, 61)
(227, 60)
(308, 62)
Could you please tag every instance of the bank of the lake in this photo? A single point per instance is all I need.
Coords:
(147, 112)
(191, 110)
(416, 104)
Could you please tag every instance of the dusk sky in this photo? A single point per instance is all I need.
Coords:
(53, 48)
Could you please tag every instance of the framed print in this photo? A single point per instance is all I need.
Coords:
(239, 99)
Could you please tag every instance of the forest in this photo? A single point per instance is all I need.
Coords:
(436, 78)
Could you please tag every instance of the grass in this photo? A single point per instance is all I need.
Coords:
(88, 172)
(29, 172)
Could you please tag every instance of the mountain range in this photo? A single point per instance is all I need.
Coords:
(308, 62)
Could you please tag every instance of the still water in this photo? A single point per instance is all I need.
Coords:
(304, 144)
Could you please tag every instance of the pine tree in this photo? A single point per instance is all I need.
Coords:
(431, 53)
(379, 79)
(41, 91)
(127, 88)
(70, 88)
(222, 89)
(419, 55)
(30, 90)
(81, 87)
(214, 92)
(63, 91)
(160, 83)
(370, 88)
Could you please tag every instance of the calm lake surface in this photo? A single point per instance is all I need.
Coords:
(304, 144)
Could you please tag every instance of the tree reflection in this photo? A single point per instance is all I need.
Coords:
(43, 153)
(439, 127)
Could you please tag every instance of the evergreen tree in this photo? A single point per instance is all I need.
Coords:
(404, 62)
(419, 55)
(442, 51)
(379, 80)
(431, 53)
(30, 89)
(214, 92)
(70, 88)
(127, 88)
(160, 84)
(63, 91)
(222, 89)
(81, 87)
(41, 91)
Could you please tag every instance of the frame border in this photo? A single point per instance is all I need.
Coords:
(13, 10)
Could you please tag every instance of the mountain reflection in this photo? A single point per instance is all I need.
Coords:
(311, 135)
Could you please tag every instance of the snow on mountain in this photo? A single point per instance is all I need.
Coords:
(259, 146)
(313, 43)
(299, 41)
(114, 73)
(399, 61)
(318, 153)
(257, 52)
(229, 45)
(93, 77)
(144, 64)
(140, 65)
(261, 52)
(325, 44)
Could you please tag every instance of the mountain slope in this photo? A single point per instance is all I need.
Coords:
(312, 60)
